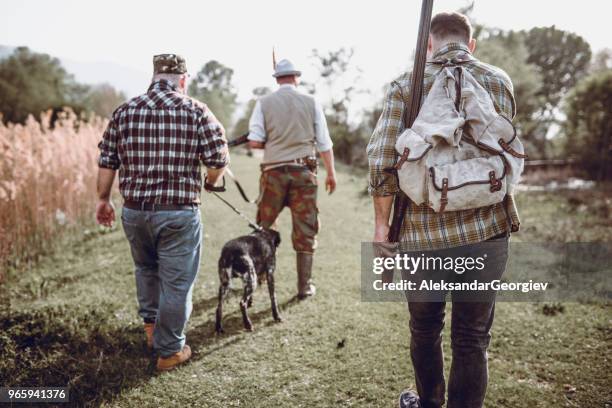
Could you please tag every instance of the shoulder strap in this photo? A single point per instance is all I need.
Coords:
(458, 59)
(444, 62)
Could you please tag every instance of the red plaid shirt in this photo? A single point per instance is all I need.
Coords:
(157, 141)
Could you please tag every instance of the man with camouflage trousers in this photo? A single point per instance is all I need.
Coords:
(288, 125)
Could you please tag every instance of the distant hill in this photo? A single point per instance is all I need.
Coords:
(129, 80)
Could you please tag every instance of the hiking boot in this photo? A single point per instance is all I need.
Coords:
(304, 271)
(169, 363)
(409, 399)
(149, 328)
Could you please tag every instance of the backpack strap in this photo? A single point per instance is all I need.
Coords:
(458, 59)
(444, 195)
(458, 75)
(506, 146)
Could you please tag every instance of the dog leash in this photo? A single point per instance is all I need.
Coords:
(252, 224)
(238, 186)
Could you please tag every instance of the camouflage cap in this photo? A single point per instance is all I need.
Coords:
(169, 64)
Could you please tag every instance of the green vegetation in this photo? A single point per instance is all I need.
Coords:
(213, 86)
(242, 125)
(544, 63)
(588, 126)
(31, 83)
(72, 320)
(509, 52)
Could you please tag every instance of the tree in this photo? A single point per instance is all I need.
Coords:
(562, 59)
(507, 50)
(602, 60)
(213, 86)
(242, 125)
(544, 64)
(101, 99)
(31, 83)
(588, 127)
(335, 72)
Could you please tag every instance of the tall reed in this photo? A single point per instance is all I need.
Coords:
(47, 183)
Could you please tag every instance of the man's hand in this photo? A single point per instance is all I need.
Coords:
(328, 162)
(330, 182)
(213, 176)
(105, 210)
(105, 213)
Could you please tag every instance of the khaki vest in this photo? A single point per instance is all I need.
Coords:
(289, 118)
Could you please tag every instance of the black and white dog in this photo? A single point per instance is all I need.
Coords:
(252, 258)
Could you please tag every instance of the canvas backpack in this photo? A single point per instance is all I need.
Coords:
(459, 153)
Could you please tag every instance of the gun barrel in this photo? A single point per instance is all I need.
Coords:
(239, 140)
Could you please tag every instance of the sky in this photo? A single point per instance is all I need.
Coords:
(240, 34)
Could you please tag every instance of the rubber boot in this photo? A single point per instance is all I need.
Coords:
(304, 270)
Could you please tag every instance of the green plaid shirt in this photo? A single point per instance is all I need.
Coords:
(423, 228)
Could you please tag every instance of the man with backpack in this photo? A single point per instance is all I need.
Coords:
(452, 211)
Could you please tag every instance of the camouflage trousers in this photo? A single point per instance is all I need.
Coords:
(294, 187)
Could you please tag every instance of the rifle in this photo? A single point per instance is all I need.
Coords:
(416, 91)
(239, 140)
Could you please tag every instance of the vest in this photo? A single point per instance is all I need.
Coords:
(289, 118)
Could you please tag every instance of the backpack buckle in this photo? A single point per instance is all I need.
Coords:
(402, 159)
(496, 184)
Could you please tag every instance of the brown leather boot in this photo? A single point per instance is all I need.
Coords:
(173, 361)
(304, 271)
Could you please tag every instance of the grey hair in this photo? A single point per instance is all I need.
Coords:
(174, 79)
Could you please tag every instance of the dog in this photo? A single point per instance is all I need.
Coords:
(252, 258)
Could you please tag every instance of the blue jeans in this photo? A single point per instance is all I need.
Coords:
(165, 247)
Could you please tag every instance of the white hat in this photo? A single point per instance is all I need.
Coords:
(285, 67)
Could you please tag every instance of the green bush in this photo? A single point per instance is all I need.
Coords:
(588, 127)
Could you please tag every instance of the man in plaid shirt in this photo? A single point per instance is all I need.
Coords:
(157, 142)
(461, 232)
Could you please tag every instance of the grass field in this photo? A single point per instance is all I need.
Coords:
(72, 320)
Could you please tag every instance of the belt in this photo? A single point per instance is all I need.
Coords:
(307, 161)
(147, 206)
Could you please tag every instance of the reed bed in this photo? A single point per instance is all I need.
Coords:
(47, 183)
